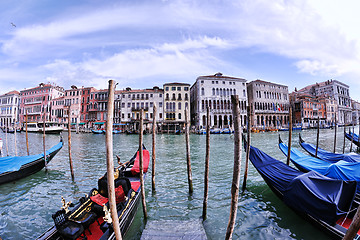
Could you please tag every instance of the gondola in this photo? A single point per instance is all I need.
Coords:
(339, 170)
(97, 131)
(325, 202)
(353, 137)
(14, 168)
(326, 155)
(86, 218)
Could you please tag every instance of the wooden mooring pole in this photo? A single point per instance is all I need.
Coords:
(15, 145)
(344, 140)
(317, 136)
(44, 119)
(237, 166)
(141, 133)
(335, 134)
(290, 136)
(69, 145)
(110, 159)
(153, 155)
(207, 160)
(188, 152)
(352, 138)
(26, 134)
(354, 226)
(6, 141)
(247, 147)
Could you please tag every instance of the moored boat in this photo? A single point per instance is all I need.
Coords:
(325, 202)
(97, 131)
(89, 218)
(326, 155)
(50, 127)
(339, 170)
(353, 137)
(14, 168)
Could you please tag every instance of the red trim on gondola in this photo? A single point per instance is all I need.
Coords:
(135, 170)
(101, 200)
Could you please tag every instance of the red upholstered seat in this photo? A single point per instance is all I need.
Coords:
(101, 200)
(135, 185)
(135, 170)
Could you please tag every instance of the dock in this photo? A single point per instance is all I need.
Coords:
(174, 229)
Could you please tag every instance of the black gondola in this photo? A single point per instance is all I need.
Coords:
(14, 168)
(86, 219)
(353, 137)
(325, 202)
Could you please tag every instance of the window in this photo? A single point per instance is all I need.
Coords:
(179, 115)
(202, 91)
(166, 88)
(179, 88)
(186, 88)
(160, 104)
(160, 115)
(173, 88)
(179, 105)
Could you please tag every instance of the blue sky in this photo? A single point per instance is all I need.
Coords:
(141, 44)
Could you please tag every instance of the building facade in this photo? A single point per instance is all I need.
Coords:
(36, 102)
(269, 103)
(355, 112)
(133, 100)
(9, 109)
(339, 92)
(176, 100)
(215, 91)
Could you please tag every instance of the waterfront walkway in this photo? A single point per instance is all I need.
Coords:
(172, 229)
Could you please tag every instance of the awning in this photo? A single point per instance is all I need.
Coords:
(99, 123)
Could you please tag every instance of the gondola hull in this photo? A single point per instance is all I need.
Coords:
(28, 168)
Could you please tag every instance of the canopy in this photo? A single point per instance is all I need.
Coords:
(310, 193)
(329, 156)
(99, 123)
(340, 170)
(10, 163)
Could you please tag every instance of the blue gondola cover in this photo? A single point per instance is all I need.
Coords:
(311, 193)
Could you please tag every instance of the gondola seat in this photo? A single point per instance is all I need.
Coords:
(67, 228)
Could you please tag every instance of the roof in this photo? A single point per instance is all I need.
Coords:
(12, 92)
(266, 82)
(176, 83)
(221, 76)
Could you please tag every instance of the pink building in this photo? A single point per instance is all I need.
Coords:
(37, 102)
(57, 110)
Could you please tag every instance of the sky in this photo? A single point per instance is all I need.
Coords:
(141, 44)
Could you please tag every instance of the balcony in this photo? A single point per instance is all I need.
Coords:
(133, 109)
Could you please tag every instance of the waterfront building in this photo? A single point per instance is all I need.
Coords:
(338, 91)
(57, 110)
(215, 91)
(36, 102)
(87, 114)
(355, 112)
(308, 108)
(133, 100)
(270, 104)
(72, 105)
(176, 100)
(9, 108)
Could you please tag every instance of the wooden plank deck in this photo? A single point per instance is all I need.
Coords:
(174, 229)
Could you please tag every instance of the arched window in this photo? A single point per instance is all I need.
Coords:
(173, 97)
(202, 91)
(179, 116)
(179, 105)
(213, 91)
(179, 96)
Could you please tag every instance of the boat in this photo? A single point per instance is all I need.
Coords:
(226, 131)
(86, 218)
(326, 155)
(353, 137)
(16, 167)
(201, 131)
(323, 201)
(97, 131)
(339, 170)
(215, 131)
(50, 127)
(116, 131)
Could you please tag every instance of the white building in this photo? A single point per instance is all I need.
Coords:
(269, 102)
(9, 108)
(215, 91)
(176, 100)
(132, 101)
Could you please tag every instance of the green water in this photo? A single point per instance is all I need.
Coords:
(26, 205)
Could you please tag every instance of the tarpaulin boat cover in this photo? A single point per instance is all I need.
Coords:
(11, 163)
(329, 156)
(321, 197)
(340, 170)
(353, 137)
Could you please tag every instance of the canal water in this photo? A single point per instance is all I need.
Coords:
(26, 205)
